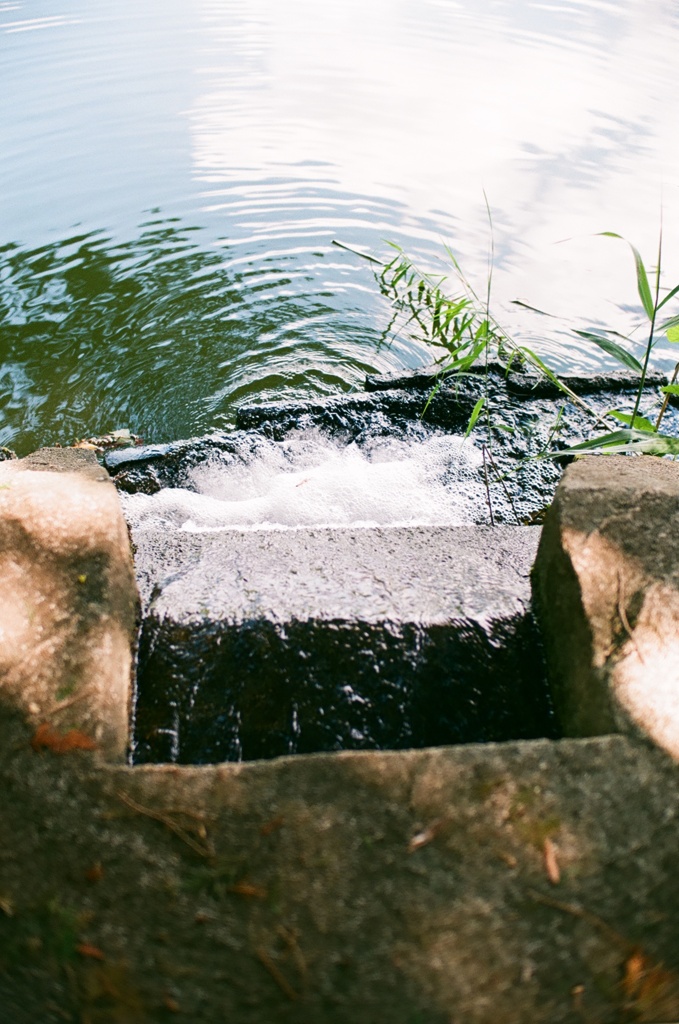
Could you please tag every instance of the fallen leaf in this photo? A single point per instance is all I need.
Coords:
(93, 952)
(112, 985)
(276, 974)
(635, 968)
(551, 862)
(272, 826)
(171, 1004)
(6, 906)
(95, 873)
(45, 737)
(652, 992)
(427, 835)
(250, 891)
(577, 993)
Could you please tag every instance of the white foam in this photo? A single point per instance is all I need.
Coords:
(310, 481)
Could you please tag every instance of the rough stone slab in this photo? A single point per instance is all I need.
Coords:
(520, 380)
(68, 599)
(412, 574)
(263, 643)
(607, 594)
(402, 887)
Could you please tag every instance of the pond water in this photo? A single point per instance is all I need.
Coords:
(174, 175)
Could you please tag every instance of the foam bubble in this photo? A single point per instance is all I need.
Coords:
(308, 480)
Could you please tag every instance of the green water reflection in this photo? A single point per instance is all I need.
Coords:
(157, 335)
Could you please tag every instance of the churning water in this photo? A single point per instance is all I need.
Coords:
(310, 481)
(173, 176)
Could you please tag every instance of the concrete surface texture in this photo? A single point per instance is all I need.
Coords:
(485, 883)
(607, 589)
(68, 600)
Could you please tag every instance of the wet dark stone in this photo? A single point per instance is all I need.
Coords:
(519, 381)
(224, 692)
(380, 412)
(262, 644)
(148, 468)
(615, 383)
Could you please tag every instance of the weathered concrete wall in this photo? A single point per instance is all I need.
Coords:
(529, 881)
(514, 882)
(607, 594)
(68, 600)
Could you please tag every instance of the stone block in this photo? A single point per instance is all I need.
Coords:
(68, 599)
(270, 642)
(606, 587)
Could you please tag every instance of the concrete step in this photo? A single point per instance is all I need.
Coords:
(269, 642)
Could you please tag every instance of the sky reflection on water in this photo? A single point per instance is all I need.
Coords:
(252, 133)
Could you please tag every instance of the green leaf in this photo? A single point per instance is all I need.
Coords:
(482, 330)
(673, 333)
(536, 361)
(401, 272)
(642, 277)
(670, 295)
(533, 309)
(621, 441)
(463, 362)
(357, 252)
(640, 422)
(476, 412)
(612, 349)
(670, 389)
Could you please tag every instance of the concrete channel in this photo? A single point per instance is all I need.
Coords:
(462, 872)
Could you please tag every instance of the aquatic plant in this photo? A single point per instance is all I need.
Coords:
(462, 324)
(638, 433)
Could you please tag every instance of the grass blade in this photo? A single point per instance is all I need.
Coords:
(638, 422)
(670, 295)
(622, 441)
(357, 252)
(533, 309)
(612, 349)
(476, 412)
(642, 277)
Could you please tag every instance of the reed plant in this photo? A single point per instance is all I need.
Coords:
(459, 321)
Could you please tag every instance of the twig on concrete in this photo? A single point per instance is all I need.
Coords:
(290, 938)
(585, 915)
(68, 702)
(203, 849)
(625, 621)
(280, 979)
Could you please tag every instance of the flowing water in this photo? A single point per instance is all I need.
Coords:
(174, 174)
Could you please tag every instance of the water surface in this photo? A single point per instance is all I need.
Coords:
(174, 175)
